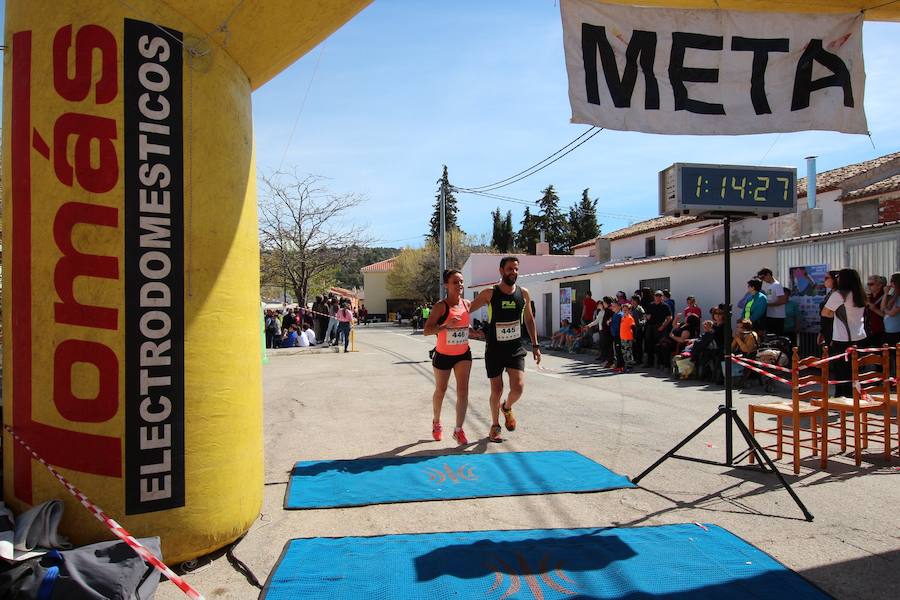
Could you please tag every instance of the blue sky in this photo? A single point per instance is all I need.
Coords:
(408, 86)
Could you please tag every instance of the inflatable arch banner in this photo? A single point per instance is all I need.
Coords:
(130, 263)
(132, 319)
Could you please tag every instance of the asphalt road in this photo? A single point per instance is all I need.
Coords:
(376, 402)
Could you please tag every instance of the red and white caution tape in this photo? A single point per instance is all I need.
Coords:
(113, 526)
(768, 365)
(829, 359)
(740, 361)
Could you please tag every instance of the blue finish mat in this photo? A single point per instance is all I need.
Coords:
(675, 562)
(335, 483)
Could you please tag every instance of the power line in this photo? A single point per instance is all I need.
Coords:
(302, 105)
(589, 129)
(529, 174)
(495, 196)
(560, 157)
(609, 215)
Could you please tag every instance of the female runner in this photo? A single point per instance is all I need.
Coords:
(449, 320)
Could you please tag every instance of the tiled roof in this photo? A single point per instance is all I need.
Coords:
(380, 267)
(526, 276)
(586, 243)
(696, 231)
(650, 225)
(891, 184)
(831, 180)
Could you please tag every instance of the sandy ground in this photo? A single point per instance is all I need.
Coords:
(375, 402)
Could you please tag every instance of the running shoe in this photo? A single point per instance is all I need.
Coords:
(494, 435)
(436, 431)
(508, 418)
(460, 436)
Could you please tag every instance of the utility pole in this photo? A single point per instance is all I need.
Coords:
(442, 250)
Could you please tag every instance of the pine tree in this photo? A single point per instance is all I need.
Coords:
(450, 209)
(588, 228)
(553, 223)
(507, 235)
(497, 230)
(574, 219)
(529, 233)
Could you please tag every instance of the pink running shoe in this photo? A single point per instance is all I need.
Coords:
(436, 431)
(460, 436)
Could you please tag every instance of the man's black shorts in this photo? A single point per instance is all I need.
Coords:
(445, 362)
(497, 361)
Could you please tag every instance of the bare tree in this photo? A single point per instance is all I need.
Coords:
(303, 230)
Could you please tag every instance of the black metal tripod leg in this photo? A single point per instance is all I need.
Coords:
(751, 441)
(680, 444)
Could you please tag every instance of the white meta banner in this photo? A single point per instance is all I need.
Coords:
(713, 72)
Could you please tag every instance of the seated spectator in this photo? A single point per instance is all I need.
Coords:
(290, 337)
(562, 337)
(677, 339)
(574, 344)
(310, 334)
(706, 340)
(746, 341)
(302, 340)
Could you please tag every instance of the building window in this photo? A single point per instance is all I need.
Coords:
(650, 246)
(660, 283)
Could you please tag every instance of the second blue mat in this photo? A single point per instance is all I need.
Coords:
(669, 562)
(336, 483)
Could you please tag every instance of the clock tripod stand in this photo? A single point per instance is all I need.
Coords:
(727, 410)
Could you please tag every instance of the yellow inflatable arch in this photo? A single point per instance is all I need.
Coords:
(130, 240)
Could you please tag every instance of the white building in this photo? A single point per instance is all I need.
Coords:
(855, 223)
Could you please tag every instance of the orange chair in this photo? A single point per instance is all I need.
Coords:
(893, 400)
(871, 395)
(799, 407)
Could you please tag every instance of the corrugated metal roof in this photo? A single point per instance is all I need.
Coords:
(379, 267)
(800, 238)
(591, 269)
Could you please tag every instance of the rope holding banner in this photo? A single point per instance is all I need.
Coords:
(112, 525)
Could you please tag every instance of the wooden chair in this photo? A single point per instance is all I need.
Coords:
(893, 397)
(800, 406)
(871, 395)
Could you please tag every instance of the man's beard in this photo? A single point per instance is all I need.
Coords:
(510, 280)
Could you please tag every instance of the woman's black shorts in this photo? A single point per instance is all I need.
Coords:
(445, 362)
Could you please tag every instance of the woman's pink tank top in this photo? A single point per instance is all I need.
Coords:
(453, 341)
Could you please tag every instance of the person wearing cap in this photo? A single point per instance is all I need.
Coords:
(775, 301)
(659, 318)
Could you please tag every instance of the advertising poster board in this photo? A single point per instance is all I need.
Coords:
(808, 291)
(566, 297)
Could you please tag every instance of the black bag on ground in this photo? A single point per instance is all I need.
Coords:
(94, 572)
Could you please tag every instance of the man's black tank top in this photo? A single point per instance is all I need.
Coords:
(506, 320)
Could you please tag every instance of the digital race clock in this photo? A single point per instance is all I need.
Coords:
(694, 189)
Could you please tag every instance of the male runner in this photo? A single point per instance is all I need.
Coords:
(509, 306)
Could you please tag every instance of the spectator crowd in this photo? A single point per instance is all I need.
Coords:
(647, 330)
(327, 321)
